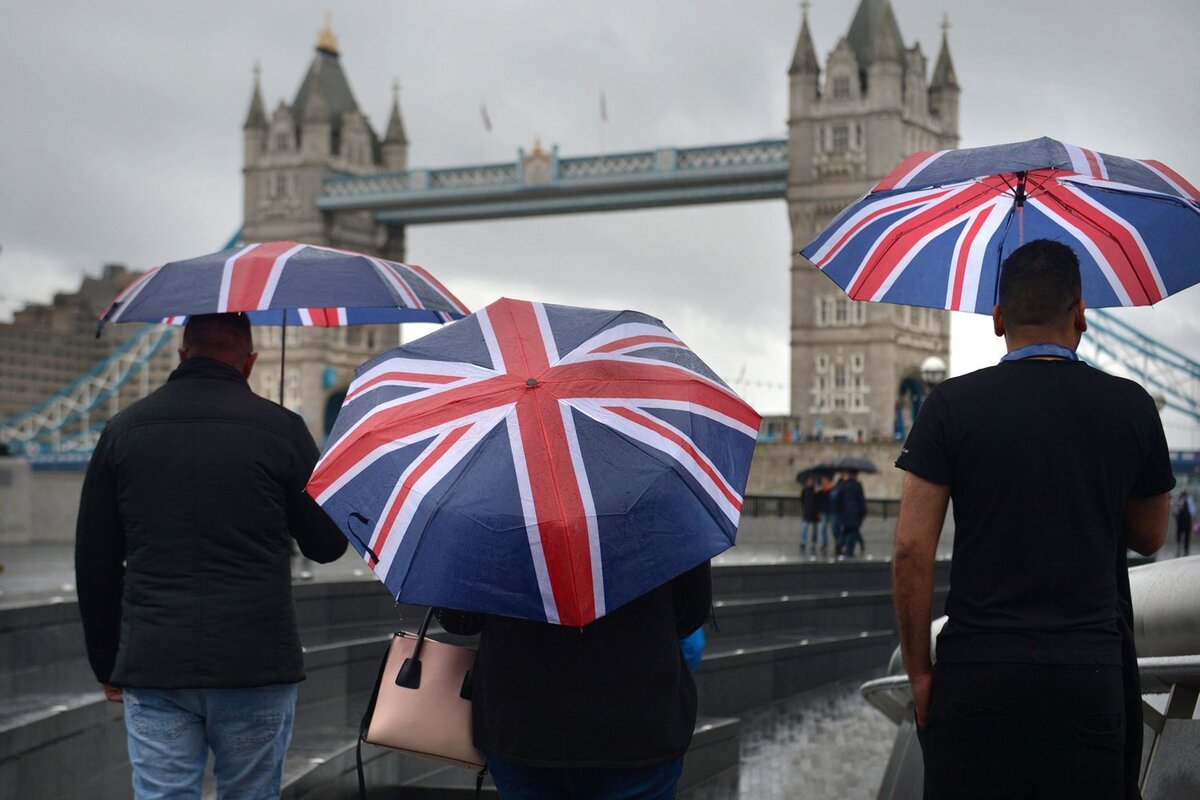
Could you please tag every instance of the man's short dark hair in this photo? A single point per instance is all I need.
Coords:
(225, 337)
(1039, 283)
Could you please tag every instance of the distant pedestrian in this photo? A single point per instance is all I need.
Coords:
(811, 514)
(1185, 512)
(191, 501)
(852, 510)
(830, 525)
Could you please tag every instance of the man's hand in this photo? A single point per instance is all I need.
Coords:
(922, 689)
(113, 693)
(922, 512)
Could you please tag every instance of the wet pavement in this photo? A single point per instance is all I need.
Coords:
(827, 743)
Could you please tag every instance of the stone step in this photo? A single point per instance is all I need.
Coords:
(331, 775)
(818, 613)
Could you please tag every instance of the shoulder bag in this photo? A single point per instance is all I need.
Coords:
(421, 703)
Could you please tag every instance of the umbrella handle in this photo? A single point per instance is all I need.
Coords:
(409, 675)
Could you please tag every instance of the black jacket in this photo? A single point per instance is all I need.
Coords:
(184, 538)
(615, 693)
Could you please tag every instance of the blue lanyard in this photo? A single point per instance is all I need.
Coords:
(1041, 350)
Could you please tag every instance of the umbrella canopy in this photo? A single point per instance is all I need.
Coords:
(824, 469)
(855, 464)
(537, 461)
(286, 283)
(935, 230)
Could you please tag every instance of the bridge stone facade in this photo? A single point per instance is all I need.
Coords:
(872, 109)
(316, 171)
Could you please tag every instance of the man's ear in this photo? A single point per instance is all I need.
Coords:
(997, 320)
(248, 367)
(183, 355)
(1079, 320)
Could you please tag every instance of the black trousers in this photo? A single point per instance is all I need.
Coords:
(1024, 732)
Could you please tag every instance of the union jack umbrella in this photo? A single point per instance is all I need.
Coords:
(935, 230)
(537, 461)
(286, 283)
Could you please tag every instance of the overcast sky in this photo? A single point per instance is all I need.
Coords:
(122, 141)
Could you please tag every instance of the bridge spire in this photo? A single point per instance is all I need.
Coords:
(395, 139)
(256, 118)
(326, 40)
(804, 61)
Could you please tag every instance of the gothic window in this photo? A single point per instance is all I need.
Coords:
(859, 311)
(281, 185)
(282, 141)
(822, 362)
(841, 87)
(841, 138)
(857, 361)
(841, 312)
(839, 375)
(824, 312)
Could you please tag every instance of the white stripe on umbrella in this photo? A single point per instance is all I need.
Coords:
(1085, 161)
(277, 267)
(968, 300)
(1134, 234)
(433, 465)
(1088, 244)
(907, 179)
(227, 277)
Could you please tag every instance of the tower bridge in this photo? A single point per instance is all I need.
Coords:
(316, 171)
(541, 183)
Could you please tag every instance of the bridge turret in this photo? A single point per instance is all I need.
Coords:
(804, 76)
(885, 73)
(254, 130)
(316, 126)
(944, 92)
(395, 141)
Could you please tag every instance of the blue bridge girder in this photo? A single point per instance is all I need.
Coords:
(1164, 371)
(547, 184)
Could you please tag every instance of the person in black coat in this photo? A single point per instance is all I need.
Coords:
(606, 710)
(188, 512)
(811, 515)
(852, 510)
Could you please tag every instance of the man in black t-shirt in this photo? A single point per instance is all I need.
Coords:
(1054, 469)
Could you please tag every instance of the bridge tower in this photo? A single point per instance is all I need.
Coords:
(873, 109)
(288, 155)
(322, 133)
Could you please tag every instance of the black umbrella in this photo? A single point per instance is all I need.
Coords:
(824, 469)
(855, 464)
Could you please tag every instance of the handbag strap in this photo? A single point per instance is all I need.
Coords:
(409, 675)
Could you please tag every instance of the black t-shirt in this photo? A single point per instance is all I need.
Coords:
(1040, 457)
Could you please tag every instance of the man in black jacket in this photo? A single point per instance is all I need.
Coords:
(183, 544)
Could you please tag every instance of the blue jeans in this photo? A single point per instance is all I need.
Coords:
(519, 782)
(806, 527)
(829, 524)
(170, 732)
(849, 538)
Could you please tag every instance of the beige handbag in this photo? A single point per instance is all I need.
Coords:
(421, 703)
